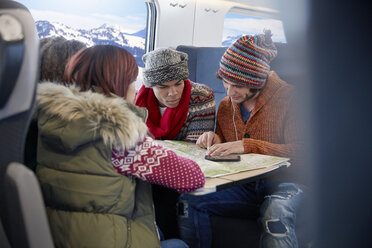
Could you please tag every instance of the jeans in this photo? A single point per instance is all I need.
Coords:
(171, 243)
(276, 203)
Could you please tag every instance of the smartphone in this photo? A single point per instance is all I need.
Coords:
(228, 158)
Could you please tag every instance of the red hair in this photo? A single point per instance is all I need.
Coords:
(109, 67)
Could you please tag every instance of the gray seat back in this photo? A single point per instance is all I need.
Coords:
(203, 65)
(19, 54)
(19, 63)
(25, 209)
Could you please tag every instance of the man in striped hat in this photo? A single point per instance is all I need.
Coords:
(256, 116)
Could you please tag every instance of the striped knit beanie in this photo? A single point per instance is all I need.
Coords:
(246, 62)
(164, 65)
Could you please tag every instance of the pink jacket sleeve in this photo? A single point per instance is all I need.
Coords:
(156, 164)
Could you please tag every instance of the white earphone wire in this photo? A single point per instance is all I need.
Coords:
(236, 132)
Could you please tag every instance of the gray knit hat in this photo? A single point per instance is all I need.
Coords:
(54, 54)
(164, 65)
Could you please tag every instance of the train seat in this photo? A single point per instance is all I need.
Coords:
(23, 220)
(203, 64)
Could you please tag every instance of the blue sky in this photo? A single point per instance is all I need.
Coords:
(130, 14)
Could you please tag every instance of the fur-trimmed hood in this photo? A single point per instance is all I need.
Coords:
(111, 119)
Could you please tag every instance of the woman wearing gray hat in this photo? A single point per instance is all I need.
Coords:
(178, 110)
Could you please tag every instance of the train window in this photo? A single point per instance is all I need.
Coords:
(237, 25)
(118, 22)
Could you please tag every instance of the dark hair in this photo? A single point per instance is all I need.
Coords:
(252, 90)
(54, 54)
(111, 68)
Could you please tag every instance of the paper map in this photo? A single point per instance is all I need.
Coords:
(249, 161)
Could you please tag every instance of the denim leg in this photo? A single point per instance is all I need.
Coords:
(173, 243)
(278, 216)
(194, 223)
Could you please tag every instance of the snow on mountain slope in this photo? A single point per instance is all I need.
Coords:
(105, 34)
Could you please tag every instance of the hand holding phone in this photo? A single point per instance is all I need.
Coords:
(228, 158)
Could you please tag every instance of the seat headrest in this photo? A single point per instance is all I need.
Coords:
(19, 55)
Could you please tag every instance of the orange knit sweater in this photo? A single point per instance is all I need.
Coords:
(272, 126)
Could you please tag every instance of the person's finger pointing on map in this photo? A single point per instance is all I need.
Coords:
(208, 139)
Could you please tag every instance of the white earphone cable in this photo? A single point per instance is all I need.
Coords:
(236, 133)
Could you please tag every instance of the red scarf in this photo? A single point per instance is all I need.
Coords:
(168, 125)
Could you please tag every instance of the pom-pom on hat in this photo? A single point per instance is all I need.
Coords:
(164, 65)
(247, 61)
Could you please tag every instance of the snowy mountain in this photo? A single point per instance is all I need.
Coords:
(229, 40)
(105, 34)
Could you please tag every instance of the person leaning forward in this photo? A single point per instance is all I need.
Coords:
(178, 110)
(254, 117)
